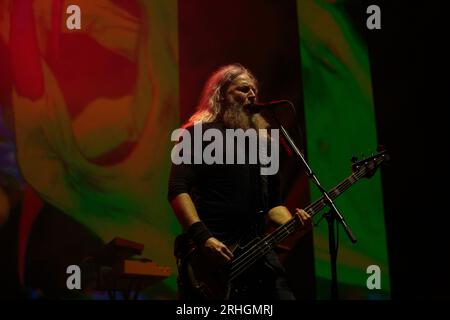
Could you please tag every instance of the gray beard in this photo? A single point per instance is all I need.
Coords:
(235, 117)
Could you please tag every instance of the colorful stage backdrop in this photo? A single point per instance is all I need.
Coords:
(86, 117)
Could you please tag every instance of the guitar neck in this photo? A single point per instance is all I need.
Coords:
(319, 204)
(263, 246)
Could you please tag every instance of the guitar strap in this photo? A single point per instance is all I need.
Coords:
(256, 224)
(261, 199)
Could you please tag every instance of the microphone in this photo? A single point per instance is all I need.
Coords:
(257, 106)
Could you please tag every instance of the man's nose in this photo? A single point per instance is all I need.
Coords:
(251, 96)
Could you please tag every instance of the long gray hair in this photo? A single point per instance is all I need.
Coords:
(210, 104)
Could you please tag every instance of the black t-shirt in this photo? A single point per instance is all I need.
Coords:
(231, 199)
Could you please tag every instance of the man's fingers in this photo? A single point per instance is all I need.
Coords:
(227, 253)
(305, 218)
(225, 257)
(303, 214)
(222, 250)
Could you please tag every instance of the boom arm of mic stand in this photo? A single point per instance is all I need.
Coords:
(312, 176)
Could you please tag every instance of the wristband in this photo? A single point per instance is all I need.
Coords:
(199, 233)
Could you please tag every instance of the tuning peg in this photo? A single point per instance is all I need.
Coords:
(354, 159)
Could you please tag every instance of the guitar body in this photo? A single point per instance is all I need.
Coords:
(200, 279)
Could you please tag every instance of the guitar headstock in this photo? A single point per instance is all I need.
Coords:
(366, 168)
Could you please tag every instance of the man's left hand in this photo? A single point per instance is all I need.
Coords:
(304, 218)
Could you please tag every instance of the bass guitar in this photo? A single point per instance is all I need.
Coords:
(205, 281)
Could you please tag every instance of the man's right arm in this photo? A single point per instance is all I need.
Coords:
(185, 210)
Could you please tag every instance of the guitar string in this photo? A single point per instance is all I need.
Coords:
(261, 248)
(261, 252)
(316, 206)
(282, 231)
(246, 259)
(239, 266)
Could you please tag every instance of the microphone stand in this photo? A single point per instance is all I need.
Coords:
(332, 215)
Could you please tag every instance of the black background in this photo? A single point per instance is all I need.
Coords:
(407, 60)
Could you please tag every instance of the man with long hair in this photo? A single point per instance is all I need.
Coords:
(220, 205)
